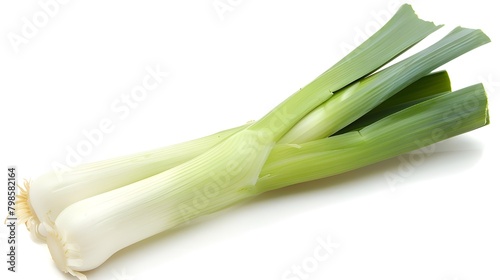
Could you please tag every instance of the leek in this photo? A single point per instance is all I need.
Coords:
(348, 117)
(85, 234)
(44, 198)
(59, 190)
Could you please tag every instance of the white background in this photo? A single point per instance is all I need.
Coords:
(440, 223)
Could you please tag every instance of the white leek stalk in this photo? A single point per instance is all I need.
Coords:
(44, 198)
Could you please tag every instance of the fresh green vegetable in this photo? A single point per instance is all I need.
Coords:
(348, 117)
(55, 191)
(45, 197)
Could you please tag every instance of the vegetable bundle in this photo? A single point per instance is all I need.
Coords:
(352, 115)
